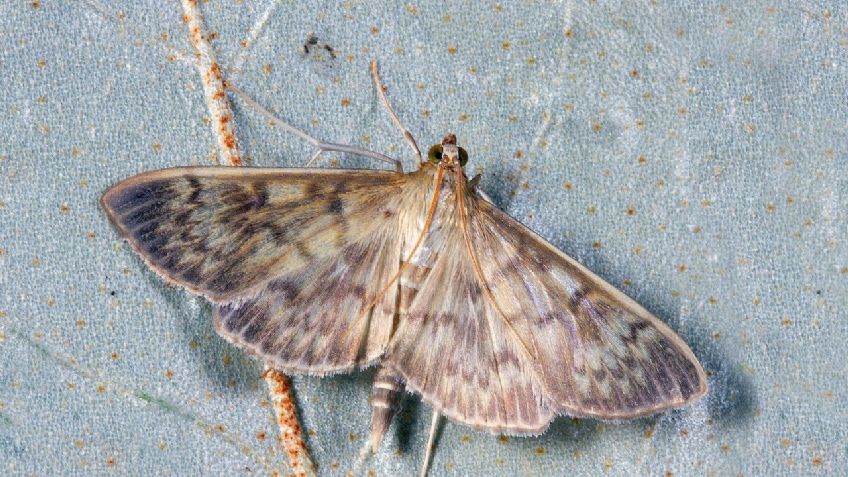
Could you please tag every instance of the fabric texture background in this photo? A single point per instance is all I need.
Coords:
(693, 154)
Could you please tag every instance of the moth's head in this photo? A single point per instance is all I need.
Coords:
(447, 153)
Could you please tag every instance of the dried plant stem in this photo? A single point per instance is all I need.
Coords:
(213, 85)
(291, 433)
(279, 388)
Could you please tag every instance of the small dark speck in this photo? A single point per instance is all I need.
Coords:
(336, 206)
(818, 292)
(113, 293)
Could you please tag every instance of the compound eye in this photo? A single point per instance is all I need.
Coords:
(435, 154)
(463, 157)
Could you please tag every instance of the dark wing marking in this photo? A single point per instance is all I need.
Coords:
(560, 340)
(292, 258)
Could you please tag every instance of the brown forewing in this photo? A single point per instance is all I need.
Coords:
(293, 259)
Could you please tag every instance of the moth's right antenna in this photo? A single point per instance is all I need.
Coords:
(381, 90)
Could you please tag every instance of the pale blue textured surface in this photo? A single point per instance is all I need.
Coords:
(694, 155)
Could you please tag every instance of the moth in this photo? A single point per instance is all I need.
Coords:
(323, 271)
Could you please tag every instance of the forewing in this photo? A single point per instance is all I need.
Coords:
(599, 353)
(293, 259)
(547, 337)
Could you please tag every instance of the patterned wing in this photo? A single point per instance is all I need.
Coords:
(538, 335)
(292, 259)
(450, 349)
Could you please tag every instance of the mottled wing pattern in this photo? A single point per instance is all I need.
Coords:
(449, 346)
(292, 259)
(315, 319)
(599, 353)
(550, 338)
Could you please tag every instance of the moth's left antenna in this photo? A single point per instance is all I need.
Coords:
(381, 90)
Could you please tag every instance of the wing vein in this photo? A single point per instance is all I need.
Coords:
(460, 193)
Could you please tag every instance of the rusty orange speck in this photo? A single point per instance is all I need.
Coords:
(216, 70)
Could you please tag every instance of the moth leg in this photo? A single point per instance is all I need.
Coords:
(381, 90)
(313, 158)
(320, 146)
(474, 183)
(431, 441)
